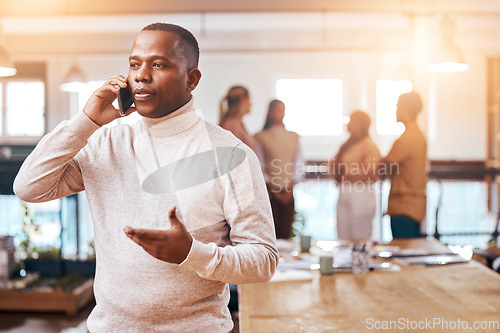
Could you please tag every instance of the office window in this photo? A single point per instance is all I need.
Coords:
(49, 226)
(22, 108)
(313, 106)
(387, 93)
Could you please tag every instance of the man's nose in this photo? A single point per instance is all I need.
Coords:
(143, 74)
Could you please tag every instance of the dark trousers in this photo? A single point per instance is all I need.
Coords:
(404, 227)
(283, 215)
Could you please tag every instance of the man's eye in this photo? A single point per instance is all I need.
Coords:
(158, 65)
(134, 65)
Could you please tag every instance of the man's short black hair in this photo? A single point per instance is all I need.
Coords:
(188, 48)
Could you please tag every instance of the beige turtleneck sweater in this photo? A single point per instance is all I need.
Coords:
(133, 175)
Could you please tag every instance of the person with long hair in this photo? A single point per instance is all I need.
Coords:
(233, 107)
(282, 164)
(354, 167)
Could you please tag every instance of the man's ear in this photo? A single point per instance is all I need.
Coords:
(194, 76)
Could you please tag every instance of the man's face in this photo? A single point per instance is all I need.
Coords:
(157, 77)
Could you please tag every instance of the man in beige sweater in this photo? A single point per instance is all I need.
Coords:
(159, 268)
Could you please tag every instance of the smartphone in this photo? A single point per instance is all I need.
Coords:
(125, 100)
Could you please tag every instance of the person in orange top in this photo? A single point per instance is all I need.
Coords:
(233, 107)
(407, 162)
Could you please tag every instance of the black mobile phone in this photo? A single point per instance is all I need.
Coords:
(125, 100)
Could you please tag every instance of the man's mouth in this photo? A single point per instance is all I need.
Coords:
(141, 94)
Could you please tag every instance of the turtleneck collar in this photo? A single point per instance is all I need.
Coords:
(173, 123)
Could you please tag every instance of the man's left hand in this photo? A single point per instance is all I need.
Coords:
(171, 245)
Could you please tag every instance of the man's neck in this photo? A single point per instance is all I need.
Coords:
(409, 122)
(174, 108)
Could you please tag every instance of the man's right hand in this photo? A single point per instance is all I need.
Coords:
(99, 107)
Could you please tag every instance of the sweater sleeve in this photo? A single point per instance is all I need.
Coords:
(52, 170)
(253, 256)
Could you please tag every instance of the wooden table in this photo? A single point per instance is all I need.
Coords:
(436, 298)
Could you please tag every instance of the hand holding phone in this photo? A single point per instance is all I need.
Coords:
(125, 100)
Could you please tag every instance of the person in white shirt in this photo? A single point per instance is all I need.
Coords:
(354, 167)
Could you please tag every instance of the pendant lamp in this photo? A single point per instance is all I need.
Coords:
(447, 56)
(6, 65)
(74, 79)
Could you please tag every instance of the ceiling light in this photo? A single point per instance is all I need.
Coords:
(74, 79)
(6, 65)
(447, 57)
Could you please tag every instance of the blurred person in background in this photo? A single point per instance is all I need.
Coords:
(407, 165)
(282, 165)
(354, 167)
(233, 107)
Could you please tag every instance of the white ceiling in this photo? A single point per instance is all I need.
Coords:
(195, 21)
(125, 16)
(18, 8)
(88, 26)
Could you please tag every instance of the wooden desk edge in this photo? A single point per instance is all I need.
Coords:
(430, 244)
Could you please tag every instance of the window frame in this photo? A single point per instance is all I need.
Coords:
(5, 138)
(319, 76)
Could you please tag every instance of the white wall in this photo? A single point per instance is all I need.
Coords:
(455, 103)
(456, 112)
(96, 68)
(459, 112)
(260, 71)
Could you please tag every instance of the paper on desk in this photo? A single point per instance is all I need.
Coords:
(292, 275)
(304, 262)
(374, 266)
(432, 260)
(395, 251)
